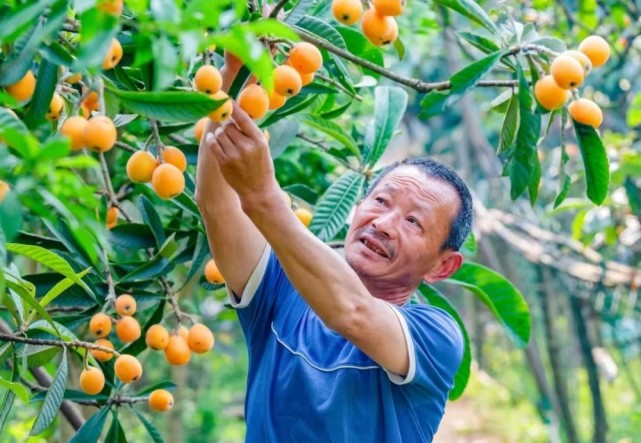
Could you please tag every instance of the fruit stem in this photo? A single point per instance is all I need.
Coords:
(277, 8)
(111, 195)
(156, 137)
(171, 298)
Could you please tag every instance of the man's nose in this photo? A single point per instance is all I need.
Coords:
(386, 224)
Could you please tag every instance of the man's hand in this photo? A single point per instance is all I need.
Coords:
(243, 156)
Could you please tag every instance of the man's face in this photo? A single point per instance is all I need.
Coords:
(398, 230)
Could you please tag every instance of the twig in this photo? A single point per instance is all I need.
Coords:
(277, 8)
(59, 343)
(111, 195)
(179, 139)
(321, 146)
(155, 134)
(339, 86)
(125, 146)
(171, 297)
(113, 401)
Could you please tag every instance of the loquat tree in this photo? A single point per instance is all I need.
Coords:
(104, 105)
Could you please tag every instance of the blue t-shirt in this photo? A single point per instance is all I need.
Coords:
(307, 383)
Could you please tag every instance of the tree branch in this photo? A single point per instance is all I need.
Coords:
(277, 8)
(59, 343)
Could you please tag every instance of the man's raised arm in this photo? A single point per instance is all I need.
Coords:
(235, 243)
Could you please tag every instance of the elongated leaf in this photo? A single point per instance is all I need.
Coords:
(435, 102)
(535, 178)
(59, 288)
(501, 297)
(471, 10)
(10, 396)
(335, 131)
(334, 206)
(564, 178)
(168, 106)
(27, 293)
(521, 164)
(17, 388)
(132, 236)
(510, 124)
(170, 385)
(14, 21)
(153, 268)
(595, 162)
(462, 376)
(292, 106)
(390, 103)
(480, 42)
(45, 86)
(53, 399)
(90, 431)
(115, 433)
(322, 29)
(153, 431)
(299, 11)
(71, 394)
(152, 219)
(358, 45)
(49, 259)
(201, 251)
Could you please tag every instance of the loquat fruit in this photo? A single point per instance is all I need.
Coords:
(200, 338)
(55, 107)
(305, 58)
(200, 128)
(167, 181)
(389, 7)
(141, 166)
(114, 55)
(177, 351)
(100, 325)
(125, 305)
(160, 400)
(112, 217)
(91, 101)
(92, 380)
(304, 216)
(127, 329)
(287, 81)
(586, 111)
(103, 355)
(580, 57)
(100, 133)
(174, 156)
(223, 112)
(567, 72)
(72, 79)
(597, 49)
(113, 7)
(212, 274)
(4, 189)
(208, 79)
(306, 79)
(74, 128)
(550, 95)
(23, 89)
(157, 337)
(276, 101)
(347, 11)
(253, 99)
(379, 29)
(183, 332)
(127, 367)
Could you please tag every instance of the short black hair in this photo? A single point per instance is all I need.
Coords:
(462, 223)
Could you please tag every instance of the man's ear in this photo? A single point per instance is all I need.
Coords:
(449, 264)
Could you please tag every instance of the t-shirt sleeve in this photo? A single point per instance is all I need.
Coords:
(435, 345)
(255, 306)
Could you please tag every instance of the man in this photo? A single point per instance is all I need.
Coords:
(336, 352)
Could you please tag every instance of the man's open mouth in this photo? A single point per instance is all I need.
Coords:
(370, 245)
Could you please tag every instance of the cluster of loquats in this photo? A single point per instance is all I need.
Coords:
(567, 72)
(377, 22)
(164, 173)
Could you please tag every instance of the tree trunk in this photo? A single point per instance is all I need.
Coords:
(600, 421)
(554, 352)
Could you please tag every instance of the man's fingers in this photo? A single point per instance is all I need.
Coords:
(225, 142)
(219, 153)
(245, 122)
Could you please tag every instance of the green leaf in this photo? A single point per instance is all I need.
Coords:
(435, 102)
(595, 162)
(132, 236)
(334, 206)
(299, 11)
(115, 433)
(322, 29)
(358, 45)
(27, 293)
(535, 179)
(10, 215)
(150, 269)
(45, 86)
(333, 130)
(97, 30)
(282, 134)
(462, 376)
(10, 396)
(501, 297)
(57, 54)
(154, 433)
(510, 125)
(71, 394)
(400, 48)
(58, 289)
(390, 103)
(471, 10)
(553, 43)
(479, 42)
(90, 431)
(14, 21)
(49, 259)
(200, 252)
(53, 399)
(152, 219)
(470, 243)
(165, 62)
(17, 388)
(634, 111)
(168, 106)
(521, 164)
(169, 248)
(170, 385)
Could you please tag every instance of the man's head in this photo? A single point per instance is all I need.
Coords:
(409, 227)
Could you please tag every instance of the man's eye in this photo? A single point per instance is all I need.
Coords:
(413, 220)
(379, 200)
